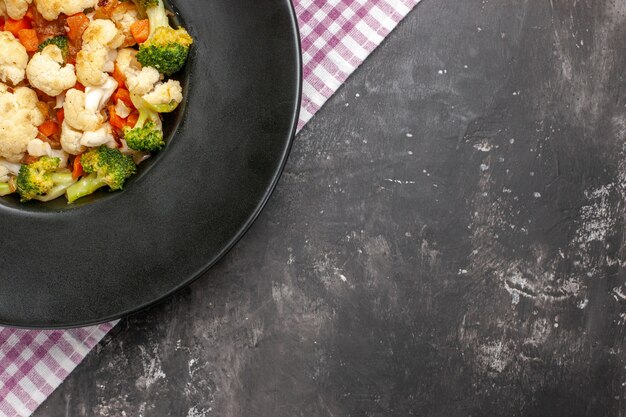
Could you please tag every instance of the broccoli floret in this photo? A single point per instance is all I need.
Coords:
(37, 178)
(146, 136)
(167, 48)
(60, 41)
(106, 167)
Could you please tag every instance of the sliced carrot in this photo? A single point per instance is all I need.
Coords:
(119, 76)
(14, 26)
(1, 22)
(123, 95)
(140, 30)
(77, 168)
(77, 23)
(114, 119)
(80, 87)
(28, 38)
(132, 118)
(60, 116)
(48, 128)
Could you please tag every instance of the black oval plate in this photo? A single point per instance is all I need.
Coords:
(115, 253)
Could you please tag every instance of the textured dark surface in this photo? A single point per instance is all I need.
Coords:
(447, 240)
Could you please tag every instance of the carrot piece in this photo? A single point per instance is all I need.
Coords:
(60, 116)
(123, 95)
(77, 23)
(80, 87)
(114, 119)
(119, 76)
(1, 22)
(28, 38)
(14, 26)
(140, 30)
(132, 118)
(77, 168)
(48, 128)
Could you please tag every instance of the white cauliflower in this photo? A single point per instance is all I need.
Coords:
(100, 42)
(124, 16)
(13, 59)
(104, 32)
(126, 59)
(16, 9)
(84, 125)
(102, 136)
(90, 64)
(51, 9)
(97, 97)
(141, 82)
(77, 116)
(166, 93)
(70, 139)
(38, 147)
(46, 73)
(20, 118)
(76, 142)
(8, 169)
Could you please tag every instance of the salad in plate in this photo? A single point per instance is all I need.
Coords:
(83, 85)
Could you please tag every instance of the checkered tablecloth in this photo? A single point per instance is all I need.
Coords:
(337, 36)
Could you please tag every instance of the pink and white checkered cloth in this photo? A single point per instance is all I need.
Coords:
(337, 36)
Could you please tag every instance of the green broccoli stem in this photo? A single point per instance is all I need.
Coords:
(62, 181)
(145, 112)
(157, 17)
(5, 189)
(62, 178)
(86, 186)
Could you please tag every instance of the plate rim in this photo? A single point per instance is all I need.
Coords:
(295, 117)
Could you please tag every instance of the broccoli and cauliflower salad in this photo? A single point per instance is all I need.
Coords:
(83, 84)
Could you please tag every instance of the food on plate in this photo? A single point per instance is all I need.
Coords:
(83, 85)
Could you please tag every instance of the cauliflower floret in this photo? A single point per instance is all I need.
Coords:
(76, 142)
(16, 9)
(142, 82)
(77, 115)
(104, 32)
(44, 71)
(126, 59)
(51, 9)
(90, 64)
(102, 136)
(70, 139)
(19, 121)
(11, 168)
(97, 97)
(13, 59)
(38, 147)
(165, 93)
(124, 16)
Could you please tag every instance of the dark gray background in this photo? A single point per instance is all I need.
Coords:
(447, 240)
